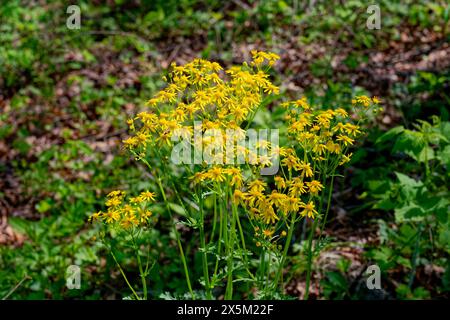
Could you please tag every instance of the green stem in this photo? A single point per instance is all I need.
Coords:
(330, 193)
(230, 247)
(285, 250)
(214, 219)
(219, 246)
(123, 275)
(16, 287)
(141, 271)
(268, 274)
(204, 254)
(309, 266)
(311, 234)
(177, 235)
(262, 271)
(414, 257)
(244, 248)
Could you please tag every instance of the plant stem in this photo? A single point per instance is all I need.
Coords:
(286, 247)
(244, 248)
(204, 254)
(177, 235)
(414, 257)
(219, 246)
(309, 266)
(268, 273)
(123, 275)
(262, 264)
(311, 234)
(16, 287)
(330, 193)
(141, 271)
(211, 239)
(230, 247)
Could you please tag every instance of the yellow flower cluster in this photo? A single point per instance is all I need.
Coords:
(212, 110)
(260, 57)
(268, 238)
(365, 101)
(320, 137)
(285, 199)
(126, 214)
(324, 133)
(202, 91)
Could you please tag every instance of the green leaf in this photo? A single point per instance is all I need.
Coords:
(378, 186)
(426, 154)
(445, 128)
(411, 143)
(409, 213)
(403, 261)
(441, 209)
(403, 291)
(407, 181)
(177, 209)
(383, 231)
(337, 280)
(444, 237)
(343, 265)
(408, 185)
(444, 156)
(390, 134)
(43, 206)
(386, 203)
(19, 224)
(421, 293)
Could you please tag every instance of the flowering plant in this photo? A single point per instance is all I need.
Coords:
(240, 209)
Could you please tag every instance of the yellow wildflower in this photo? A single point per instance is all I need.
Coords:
(314, 187)
(364, 100)
(267, 233)
(268, 214)
(376, 100)
(297, 187)
(147, 196)
(216, 174)
(279, 182)
(276, 198)
(257, 185)
(113, 202)
(305, 168)
(352, 129)
(254, 197)
(302, 103)
(112, 216)
(341, 112)
(345, 159)
(308, 210)
(238, 196)
(236, 176)
(345, 140)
